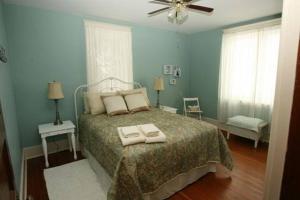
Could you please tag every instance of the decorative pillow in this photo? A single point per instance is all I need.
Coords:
(93, 103)
(139, 90)
(86, 104)
(136, 102)
(115, 105)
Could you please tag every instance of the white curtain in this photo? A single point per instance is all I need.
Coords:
(109, 53)
(248, 73)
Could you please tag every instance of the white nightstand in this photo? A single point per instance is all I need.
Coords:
(168, 109)
(47, 130)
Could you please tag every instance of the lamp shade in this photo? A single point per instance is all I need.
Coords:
(159, 83)
(55, 90)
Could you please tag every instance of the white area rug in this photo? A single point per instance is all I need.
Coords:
(74, 181)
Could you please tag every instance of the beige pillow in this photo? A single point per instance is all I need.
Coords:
(136, 102)
(138, 90)
(93, 103)
(86, 104)
(115, 105)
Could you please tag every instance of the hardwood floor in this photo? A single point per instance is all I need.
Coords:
(246, 182)
(247, 177)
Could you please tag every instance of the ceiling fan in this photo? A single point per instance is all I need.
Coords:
(178, 9)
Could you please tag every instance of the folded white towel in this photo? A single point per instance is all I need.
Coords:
(130, 131)
(149, 130)
(160, 138)
(131, 140)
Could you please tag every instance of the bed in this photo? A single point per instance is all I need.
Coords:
(152, 171)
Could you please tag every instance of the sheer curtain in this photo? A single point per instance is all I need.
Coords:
(109, 53)
(248, 73)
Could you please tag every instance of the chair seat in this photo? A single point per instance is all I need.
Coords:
(191, 106)
(194, 111)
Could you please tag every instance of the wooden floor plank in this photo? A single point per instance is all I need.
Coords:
(246, 181)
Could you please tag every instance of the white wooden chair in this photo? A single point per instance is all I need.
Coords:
(194, 109)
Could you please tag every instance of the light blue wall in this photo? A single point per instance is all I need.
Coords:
(205, 53)
(7, 98)
(47, 45)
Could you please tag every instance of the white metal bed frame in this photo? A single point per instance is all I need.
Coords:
(112, 80)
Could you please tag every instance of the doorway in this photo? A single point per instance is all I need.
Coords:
(7, 186)
(291, 176)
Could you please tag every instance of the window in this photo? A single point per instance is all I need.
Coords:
(248, 71)
(109, 53)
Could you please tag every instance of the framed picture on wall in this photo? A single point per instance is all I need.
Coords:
(3, 57)
(168, 69)
(177, 72)
(172, 81)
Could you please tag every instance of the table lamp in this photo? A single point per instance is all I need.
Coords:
(55, 93)
(158, 86)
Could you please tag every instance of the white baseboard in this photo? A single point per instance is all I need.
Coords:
(22, 184)
(53, 147)
(211, 120)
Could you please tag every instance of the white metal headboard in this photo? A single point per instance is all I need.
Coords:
(111, 80)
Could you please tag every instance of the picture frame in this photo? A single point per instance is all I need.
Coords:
(172, 81)
(3, 57)
(177, 72)
(168, 69)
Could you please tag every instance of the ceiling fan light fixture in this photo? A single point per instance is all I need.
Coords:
(178, 9)
(172, 15)
(182, 16)
(178, 15)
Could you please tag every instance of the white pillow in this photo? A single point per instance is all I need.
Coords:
(93, 103)
(115, 105)
(138, 90)
(136, 102)
(86, 104)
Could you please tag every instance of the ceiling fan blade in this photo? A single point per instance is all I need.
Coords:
(200, 8)
(190, 1)
(160, 2)
(159, 11)
(163, 1)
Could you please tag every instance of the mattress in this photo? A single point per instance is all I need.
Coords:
(143, 168)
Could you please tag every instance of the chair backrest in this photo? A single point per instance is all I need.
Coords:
(190, 99)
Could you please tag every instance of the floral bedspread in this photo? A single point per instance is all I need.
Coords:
(143, 168)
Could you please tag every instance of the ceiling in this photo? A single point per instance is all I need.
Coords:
(226, 11)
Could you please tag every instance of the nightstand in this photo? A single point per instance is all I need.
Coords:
(48, 130)
(169, 109)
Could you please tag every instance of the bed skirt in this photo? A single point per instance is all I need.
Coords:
(165, 190)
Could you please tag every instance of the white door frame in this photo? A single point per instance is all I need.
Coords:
(283, 98)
